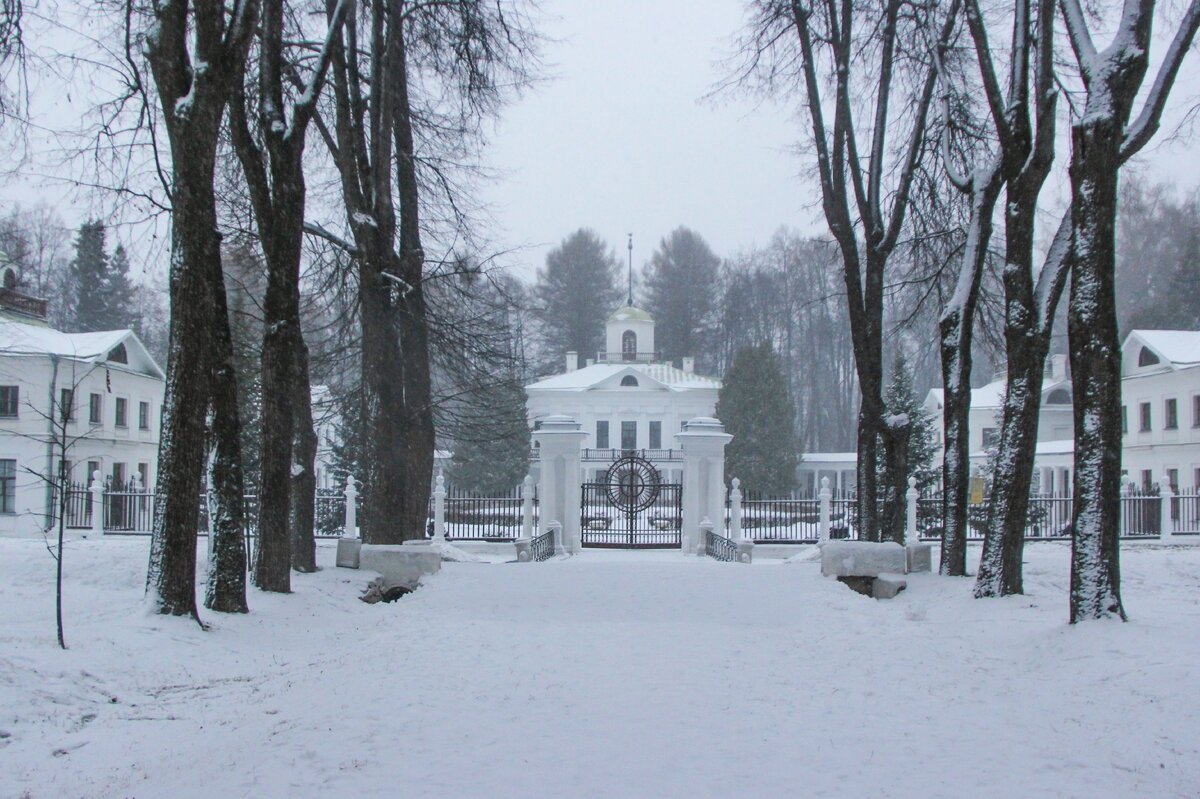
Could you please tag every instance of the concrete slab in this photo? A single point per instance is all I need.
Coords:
(861, 559)
(347, 552)
(399, 565)
(920, 557)
(886, 586)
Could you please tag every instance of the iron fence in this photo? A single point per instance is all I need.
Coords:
(474, 517)
(777, 519)
(1185, 513)
(718, 547)
(542, 546)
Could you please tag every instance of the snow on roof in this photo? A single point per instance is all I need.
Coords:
(591, 377)
(812, 458)
(17, 338)
(1064, 446)
(991, 395)
(1180, 347)
(630, 313)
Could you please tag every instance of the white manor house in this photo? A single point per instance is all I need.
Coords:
(625, 398)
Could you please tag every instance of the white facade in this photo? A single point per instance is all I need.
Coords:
(1160, 403)
(112, 391)
(626, 400)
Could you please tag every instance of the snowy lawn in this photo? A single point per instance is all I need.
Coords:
(635, 674)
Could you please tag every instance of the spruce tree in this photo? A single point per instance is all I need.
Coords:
(576, 292)
(88, 270)
(118, 307)
(901, 400)
(491, 455)
(755, 407)
(682, 287)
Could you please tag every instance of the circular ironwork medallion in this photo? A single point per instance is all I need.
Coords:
(633, 483)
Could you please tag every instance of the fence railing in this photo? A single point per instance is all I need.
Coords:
(474, 517)
(542, 547)
(798, 519)
(718, 547)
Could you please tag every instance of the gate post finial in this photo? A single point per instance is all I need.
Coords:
(824, 495)
(439, 509)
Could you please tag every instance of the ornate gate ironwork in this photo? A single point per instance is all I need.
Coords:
(631, 508)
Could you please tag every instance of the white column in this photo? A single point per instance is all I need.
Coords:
(97, 489)
(735, 510)
(527, 507)
(703, 443)
(824, 497)
(351, 493)
(439, 509)
(1166, 527)
(911, 497)
(560, 439)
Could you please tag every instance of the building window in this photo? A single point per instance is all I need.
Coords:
(9, 398)
(1173, 480)
(66, 404)
(1124, 420)
(122, 412)
(94, 407)
(629, 380)
(656, 435)
(1172, 414)
(1059, 396)
(8, 486)
(1145, 417)
(144, 474)
(1196, 480)
(143, 416)
(92, 468)
(990, 437)
(629, 345)
(1147, 481)
(601, 435)
(628, 435)
(1146, 357)
(118, 355)
(1196, 411)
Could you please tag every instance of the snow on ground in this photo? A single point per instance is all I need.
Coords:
(633, 674)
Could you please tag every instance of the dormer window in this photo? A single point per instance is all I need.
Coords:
(1147, 358)
(629, 345)
(629, 380)
(1058, 396)
(117, 354)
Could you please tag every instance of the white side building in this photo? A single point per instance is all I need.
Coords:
(97, 397)
(1160, 408)
(625, 398)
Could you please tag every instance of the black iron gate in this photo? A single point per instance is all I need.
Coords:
(631, 508)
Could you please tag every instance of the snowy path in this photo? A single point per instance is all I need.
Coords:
(610, 674)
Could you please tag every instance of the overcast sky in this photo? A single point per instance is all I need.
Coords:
(619, 138)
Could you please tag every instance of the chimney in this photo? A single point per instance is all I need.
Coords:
(689, 364)
(572, 361)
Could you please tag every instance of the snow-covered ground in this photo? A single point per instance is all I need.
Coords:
(636, 674)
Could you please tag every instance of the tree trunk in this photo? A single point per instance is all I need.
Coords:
(281, 315)
(195, 255)
(304, 481)
(1095, 355)
(226, 587)
(956, 464)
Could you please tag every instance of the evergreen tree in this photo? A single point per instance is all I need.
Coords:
(900, 399)
(576, 293)
(755, 407)
(117, 297)
(682, 290)
(88, 270)
(491, 456)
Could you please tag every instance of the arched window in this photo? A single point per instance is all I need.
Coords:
(10, 277)
(629, 345)
(117, 354)
(1059, 396)
(1146, 357)
(629, 380)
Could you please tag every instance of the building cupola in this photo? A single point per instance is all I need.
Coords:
(629, 336)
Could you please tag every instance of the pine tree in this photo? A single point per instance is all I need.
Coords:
(88, 270)
(682, 287)
(118, 307)
(576, 292)
(755, 407)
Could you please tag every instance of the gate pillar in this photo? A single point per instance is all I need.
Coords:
(703, 443)
(559, 441)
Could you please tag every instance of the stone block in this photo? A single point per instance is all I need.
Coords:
(861, 559)
(399, 565)
(886, 586)
(920, 557)
(347, 552)
(745, 551)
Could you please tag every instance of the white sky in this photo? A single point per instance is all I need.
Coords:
(619, 138)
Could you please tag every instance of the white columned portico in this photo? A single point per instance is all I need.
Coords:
(559, 441)
(703, 443)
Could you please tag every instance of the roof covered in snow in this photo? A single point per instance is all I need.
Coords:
(991, 395)
(17, 338)
(1179, 347)
(630, 314)
(659, 376)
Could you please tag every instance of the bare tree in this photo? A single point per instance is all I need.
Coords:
(1026, 128)
(194, 50)
(890, 48)
(1103, 137)
(272, 159)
